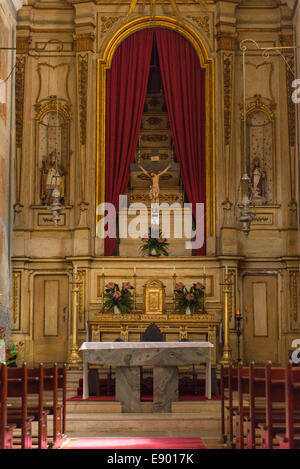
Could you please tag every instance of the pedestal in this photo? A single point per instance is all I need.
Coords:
(165, 388)
(128, 388)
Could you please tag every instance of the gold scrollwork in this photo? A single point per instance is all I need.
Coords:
(16, 299)
(294, 275)
(202, 23)
(107, 23)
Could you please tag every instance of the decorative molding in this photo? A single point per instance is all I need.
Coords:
(16, 277)
(81, 298)
(294, 279)
(84, 42)
(53, 104)
(107, 23)
(227, 74)
(290, 105)
(20, 80)
(202, 23)
(82, 67)
(226, 41)
(22, 44)
(53, 67)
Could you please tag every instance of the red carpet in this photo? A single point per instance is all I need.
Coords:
(135, 443)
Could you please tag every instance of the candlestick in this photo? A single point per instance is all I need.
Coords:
(226, 358)
(75, 359)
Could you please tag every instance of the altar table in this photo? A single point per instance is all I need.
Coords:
(165, 357)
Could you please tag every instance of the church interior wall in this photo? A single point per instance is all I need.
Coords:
(40, 248)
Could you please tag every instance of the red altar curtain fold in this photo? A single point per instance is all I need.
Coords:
(184, 90)
(126, 87)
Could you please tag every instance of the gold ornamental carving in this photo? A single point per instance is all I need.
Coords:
(202, 23)
(107, 23)
(84, 42)
(22, 44)
(226, 41)
(154, 297)
(227, 73)
(82, 91)
(294, 279)
(16, 300)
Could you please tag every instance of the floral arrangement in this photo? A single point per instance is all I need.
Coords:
(157, 246)
(11, 350)
(122, 298)
(192, 298)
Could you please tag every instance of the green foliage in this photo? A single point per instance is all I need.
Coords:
(192, 298)
(120, 297)
(159, 244)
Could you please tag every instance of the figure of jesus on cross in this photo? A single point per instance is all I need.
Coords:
(154, 190)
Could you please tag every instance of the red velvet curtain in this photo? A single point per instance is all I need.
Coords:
(126, 86)
(184, 89)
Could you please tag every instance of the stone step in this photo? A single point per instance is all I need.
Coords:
(93, 407)
(127, 424)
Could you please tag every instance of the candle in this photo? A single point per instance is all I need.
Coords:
(134, 270)
(226, 269)
(75, 268)
(102, 270)
(204, 271)
(174, 270)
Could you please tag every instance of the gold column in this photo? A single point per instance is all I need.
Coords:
(227, 289)
(74, 358)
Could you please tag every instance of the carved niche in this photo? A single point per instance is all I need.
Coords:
(261, 151)
(52, 136)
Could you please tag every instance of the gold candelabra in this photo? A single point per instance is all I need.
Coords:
(227, 289)
(75, 359)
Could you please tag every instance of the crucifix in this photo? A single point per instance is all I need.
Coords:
(154, 197)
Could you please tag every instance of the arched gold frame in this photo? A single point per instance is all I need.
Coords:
(206, 63)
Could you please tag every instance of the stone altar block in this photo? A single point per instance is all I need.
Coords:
(165, 357)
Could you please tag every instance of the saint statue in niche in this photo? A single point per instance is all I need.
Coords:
(258, 177)
(52, 177)
(154, 190)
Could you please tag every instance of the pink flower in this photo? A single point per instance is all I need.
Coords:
(110, 286)
(189, 297)
(179, 286)
(126, 286)
(161, 240)
(198, 286)
(117, 294)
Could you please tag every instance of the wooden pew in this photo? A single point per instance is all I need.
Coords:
(17, 380)
(55, 379)
(228, 386)
(291, 438)
(36, 386)
(224, 386)
(243, 388)
(6, 431)
(257, 389)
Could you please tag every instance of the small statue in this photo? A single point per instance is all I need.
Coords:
(154, 190)
(52, 177)
(258, 177)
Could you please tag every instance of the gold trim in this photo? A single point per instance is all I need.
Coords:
(206, 62)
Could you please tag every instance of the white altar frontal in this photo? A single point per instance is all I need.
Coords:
(128, 357)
